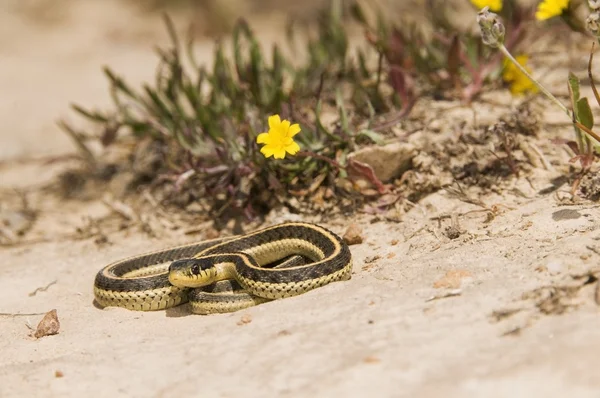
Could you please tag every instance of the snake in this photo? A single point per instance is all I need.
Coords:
(227, 274)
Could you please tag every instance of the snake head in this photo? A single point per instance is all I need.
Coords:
(192, 272)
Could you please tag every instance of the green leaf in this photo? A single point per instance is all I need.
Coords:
(358, 14)
(339, 101)
(372, 135)
(574, 88)
(156, 105)
(575, 94)
(584, 113)
(92, 115)
(119, 84)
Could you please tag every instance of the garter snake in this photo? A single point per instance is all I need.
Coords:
(228, 274)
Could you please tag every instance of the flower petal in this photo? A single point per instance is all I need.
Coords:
(551, 8)
(293, 130)
(293, 148)
(286, 141)
(267, 151)
(277, 133)
(494, 5)
(263, 138)
(279, 153)
(518, 82)
(285, 126)
(274, 122)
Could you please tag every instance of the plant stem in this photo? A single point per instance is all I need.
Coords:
(311, 154)
(542, 88)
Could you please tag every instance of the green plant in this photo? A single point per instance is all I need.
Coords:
(587, 142)
(206, 120)
(451, 64)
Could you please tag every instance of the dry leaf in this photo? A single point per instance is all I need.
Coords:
(49, 325)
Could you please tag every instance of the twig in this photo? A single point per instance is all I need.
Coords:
(37, 240)
(534, 154)
(591, 76)
(15, 314)
(150, 199)
(87, 154)
(42, 289)
(121, 209)
(397, 118)
(310, 154)
(451, 293)
(543, 89)
(183, 177)
(451, 215)
(461, 195)
(587, 130)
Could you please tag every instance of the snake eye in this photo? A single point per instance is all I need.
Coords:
(195, 269)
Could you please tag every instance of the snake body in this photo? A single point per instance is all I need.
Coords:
(228, 274)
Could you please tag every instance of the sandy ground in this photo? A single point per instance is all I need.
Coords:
(505, 309)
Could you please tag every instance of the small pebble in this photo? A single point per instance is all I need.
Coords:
(353, 235)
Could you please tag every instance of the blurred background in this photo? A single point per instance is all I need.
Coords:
(52, 52)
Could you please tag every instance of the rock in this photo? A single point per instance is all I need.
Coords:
(388, 161)
(353, 235)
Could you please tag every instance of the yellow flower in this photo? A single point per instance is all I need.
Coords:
(279, 139)
(519, 83)
(550, 8)
(494, 5)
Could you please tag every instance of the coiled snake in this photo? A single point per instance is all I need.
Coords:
(228, 274)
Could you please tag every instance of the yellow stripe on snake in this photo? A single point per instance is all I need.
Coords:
(228, 274)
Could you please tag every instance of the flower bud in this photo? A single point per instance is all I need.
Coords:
(492, 29)
(592, 23)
